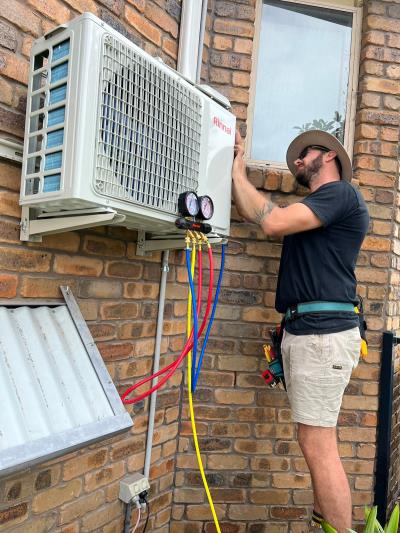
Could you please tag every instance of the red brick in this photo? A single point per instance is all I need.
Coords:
(115, 352)
(17, 259)
(222, 43)
(231, 61)
(83, 6)
(118, 311)
(6, 96)
(8, 286)
(121, 269)
(382, 23)
(234, 27)
(13, 513)
(170, 47)
(11, 122)
(22, 17)
(382, 86)
(243, 46)
(77, 265)
(53, 9)
(162, 19)
(100, 289)
(37, 287)
(148, 30)
(55, 497)
(96, 245)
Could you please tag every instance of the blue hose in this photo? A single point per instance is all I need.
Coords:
(194, 305)
(210, 323)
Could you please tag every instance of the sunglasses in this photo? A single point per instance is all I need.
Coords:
(305, 150)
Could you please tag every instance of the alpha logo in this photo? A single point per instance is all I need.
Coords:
(218, 122)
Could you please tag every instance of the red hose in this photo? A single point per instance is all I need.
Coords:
(186, 349)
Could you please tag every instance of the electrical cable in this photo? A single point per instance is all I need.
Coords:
(127, 521)
(192, 418)
(210, 323)
(175, 364)
(137, 521)
(147, 517)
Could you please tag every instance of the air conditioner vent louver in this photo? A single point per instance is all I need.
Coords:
(149, 133)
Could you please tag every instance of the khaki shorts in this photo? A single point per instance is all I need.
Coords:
(317, 370)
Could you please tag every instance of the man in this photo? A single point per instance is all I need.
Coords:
(321, 343)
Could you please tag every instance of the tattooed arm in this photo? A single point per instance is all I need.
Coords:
(257, 207)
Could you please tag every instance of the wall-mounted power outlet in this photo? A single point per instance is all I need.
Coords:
(131, 486)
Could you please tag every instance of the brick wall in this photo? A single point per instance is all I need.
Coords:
(117, 293)
(257, 474)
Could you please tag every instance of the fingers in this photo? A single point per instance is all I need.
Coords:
(238, 138)
(239, 144)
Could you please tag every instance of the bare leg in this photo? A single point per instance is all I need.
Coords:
(317, 506)
(332, 491)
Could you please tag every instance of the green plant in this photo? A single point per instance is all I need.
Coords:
(372, 525)
(335, 126)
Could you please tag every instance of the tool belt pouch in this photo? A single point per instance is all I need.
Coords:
(362, 327)
(274, 373)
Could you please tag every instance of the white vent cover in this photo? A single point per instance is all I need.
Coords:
(56, 393)
(109, 125)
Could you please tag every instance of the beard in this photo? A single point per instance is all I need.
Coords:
(305, 175)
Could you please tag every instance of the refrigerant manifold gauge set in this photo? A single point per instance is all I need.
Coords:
(194, 210)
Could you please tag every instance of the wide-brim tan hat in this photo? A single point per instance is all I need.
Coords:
(319, 138)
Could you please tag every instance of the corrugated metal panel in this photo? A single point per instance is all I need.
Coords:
(50, 387)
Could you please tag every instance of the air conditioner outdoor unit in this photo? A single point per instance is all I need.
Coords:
(110, 126)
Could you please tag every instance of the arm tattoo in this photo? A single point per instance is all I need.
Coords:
(263, 212)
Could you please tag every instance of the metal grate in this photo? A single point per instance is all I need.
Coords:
(149, 128)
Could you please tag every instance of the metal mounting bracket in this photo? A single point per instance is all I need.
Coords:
(34, 224)
(147, 244)
(11, 149)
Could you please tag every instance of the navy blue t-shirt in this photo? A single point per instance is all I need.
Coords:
(318, 265)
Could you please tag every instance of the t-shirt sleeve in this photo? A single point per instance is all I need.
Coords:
(332, 202)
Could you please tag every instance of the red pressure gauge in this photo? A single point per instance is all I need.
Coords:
(206, 206)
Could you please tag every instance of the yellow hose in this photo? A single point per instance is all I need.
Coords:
(192, 419)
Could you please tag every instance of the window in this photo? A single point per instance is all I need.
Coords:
(304, 75)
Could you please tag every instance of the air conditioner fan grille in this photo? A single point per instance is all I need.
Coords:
(149, 127)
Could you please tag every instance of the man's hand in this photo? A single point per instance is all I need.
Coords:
(239, 165)
(258, 208)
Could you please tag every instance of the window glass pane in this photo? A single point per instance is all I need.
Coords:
(302, 75)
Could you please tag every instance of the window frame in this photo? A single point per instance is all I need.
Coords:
(349, 6)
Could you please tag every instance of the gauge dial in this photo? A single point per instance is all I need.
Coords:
(206, 207)
(188, 204)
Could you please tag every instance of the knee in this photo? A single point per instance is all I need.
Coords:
(316, 440)
(304, 438)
